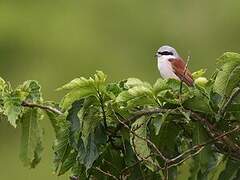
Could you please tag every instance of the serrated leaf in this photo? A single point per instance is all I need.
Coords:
(31, 138)
(140, 101)
(78, 83)
(68, 163)
(91, 152)
(113, 89)
(160, 85)
(3, 85)
(227, 57)
(139, 145)
(220, 166)
(74, 120)
(158, 121)
(83, 83)
(33, 90)
(204, 161)
(132, 82)
(61, 146)
(140, 91)
(167, 137)
(72, 116)
(198, 73)
(100, 78)
(90, 120)
(54, 118)
(75, 95)
(12, 109)
(123, 96)
(228, 76)
(230, 170)
(138, 95)
(199, 102)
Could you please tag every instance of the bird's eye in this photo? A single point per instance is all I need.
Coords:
(165, 53)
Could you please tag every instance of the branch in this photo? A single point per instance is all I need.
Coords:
(144, 139)
(47, 108)
(199, 147)
(211, 129)
(105, 173)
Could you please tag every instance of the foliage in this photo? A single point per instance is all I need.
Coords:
(132, 129)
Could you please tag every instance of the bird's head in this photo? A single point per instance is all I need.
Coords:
(166, 51)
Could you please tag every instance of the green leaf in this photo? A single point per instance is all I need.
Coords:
(12, 108)
(31, 138)
(33, 90)
(136, 96)
(72, 116)
(139, 145)
(198, 73)
(204, 161)
(140, 101)
(199, 102)
(3, 85)
(167, 137)
(61, 145)
(75, 95)
(83, 83)
(113, 90)
(78, 83)
(123, 97)
(100, 79)
(132, 82)
(220, 166)
(158, 121)
(228, 57)
(30, 90)
(91, 152)
(74, 120)
(160, 85)
(140, 91)
(230, 170)
(228, 77)
(68, 163)
(82, 88)
(90, 120)
(53, 117)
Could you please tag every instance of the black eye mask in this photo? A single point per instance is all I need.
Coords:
(165, 53)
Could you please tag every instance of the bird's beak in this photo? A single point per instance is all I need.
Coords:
(156, 55)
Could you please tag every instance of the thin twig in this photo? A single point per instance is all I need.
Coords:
(44, 107)
(147, 140)
(185, 159)
(234, 94)
(133, 165)
(105, 173)
(200, 147)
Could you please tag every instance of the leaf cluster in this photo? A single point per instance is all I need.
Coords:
(133, 129)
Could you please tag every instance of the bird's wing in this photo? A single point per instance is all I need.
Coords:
(180, 69)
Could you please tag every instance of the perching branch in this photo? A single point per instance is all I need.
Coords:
(105, 173)
(44, 107)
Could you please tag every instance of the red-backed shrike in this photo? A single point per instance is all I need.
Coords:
(171, 65)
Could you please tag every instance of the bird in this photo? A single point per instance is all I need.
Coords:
(171, 65)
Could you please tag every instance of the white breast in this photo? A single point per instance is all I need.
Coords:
(165, 68)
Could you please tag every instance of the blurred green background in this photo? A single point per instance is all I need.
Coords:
(56, 41)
